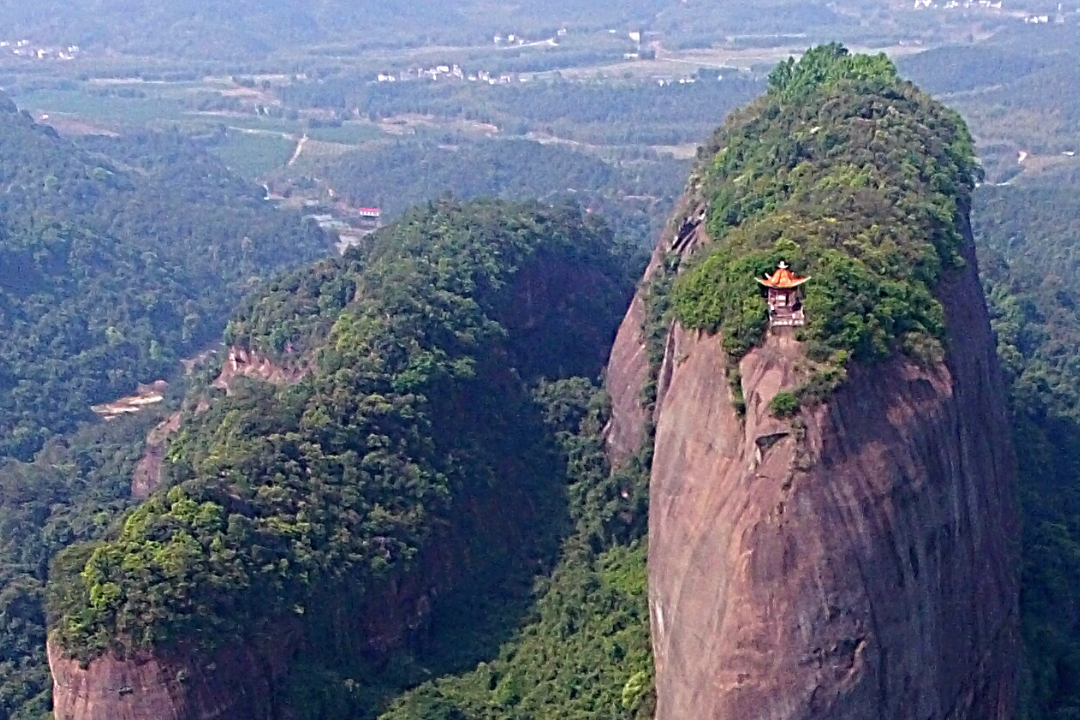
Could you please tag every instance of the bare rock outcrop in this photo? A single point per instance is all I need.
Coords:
(241, 362)
(628, 367)
(855, 563)
(238, 683)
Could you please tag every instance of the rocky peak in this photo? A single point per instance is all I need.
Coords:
(855, 559)
(855, 562)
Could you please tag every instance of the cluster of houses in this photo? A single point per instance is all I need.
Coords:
(448, 72)
(510, 39)
(457, 73)
(351, 225)
(31, 51)
(681, 81)
(1029, 19)
(1057, 19)
(958, 4)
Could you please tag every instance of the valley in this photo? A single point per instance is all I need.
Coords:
(416, 226)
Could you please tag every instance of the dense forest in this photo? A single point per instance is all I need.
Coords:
(120, 256)
(1028, 241)
(442, 364)
(73, 490)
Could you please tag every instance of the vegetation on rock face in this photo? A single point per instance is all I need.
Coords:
(283, 500)
(118, 258)
(853, 177)
(784, 404)
(1027, 242)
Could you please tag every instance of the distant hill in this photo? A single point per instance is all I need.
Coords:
(119, 257)
(241, 29)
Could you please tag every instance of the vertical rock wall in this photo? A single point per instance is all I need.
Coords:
(857, 563)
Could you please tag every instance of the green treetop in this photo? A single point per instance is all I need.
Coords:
(851, 175)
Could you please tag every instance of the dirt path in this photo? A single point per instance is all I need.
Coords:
(299, 149)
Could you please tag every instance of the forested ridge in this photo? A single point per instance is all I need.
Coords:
(434, 353)
(119, 257)
(422, 170)
(634, 194)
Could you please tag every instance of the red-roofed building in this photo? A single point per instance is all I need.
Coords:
(785, 305)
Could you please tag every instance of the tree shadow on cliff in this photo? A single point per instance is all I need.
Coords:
(1048, 449)
(507, 534)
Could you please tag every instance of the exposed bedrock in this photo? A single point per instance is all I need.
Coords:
(857, 562)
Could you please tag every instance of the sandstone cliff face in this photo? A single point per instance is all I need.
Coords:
(247, 363)
(857, 563)
(238, 683)
(628, 368)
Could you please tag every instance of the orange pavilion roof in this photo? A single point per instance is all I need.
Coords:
(783, 278)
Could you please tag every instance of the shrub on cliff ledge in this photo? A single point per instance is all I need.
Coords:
(853, 177)
(784, 404)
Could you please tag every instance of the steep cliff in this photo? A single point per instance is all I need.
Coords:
(147, 475)
(176, 687)
(854, 565)
(855, 558)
